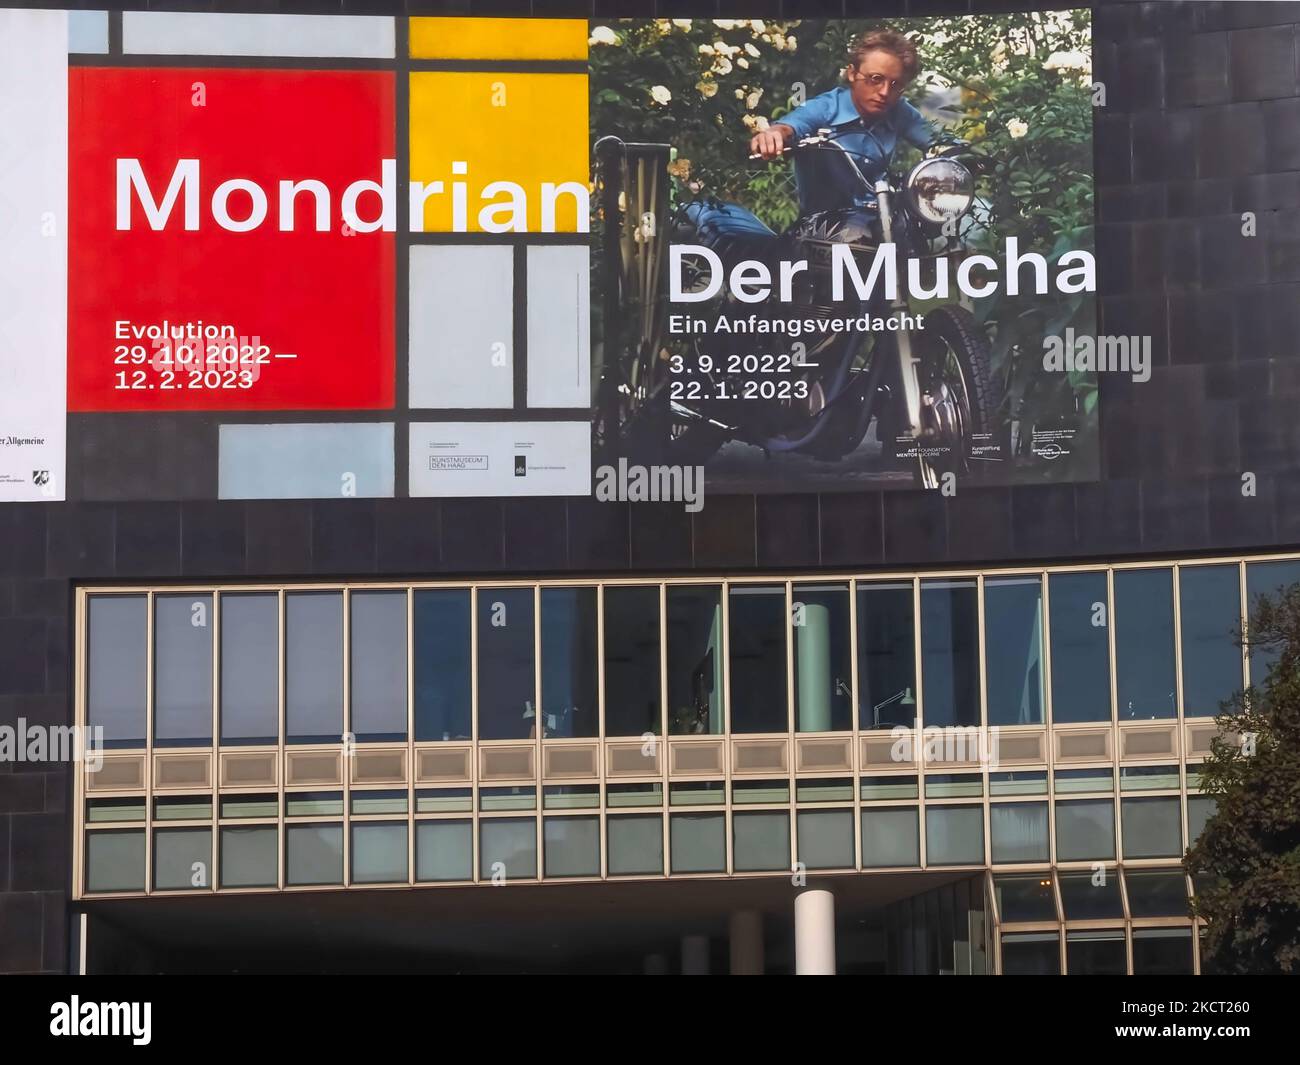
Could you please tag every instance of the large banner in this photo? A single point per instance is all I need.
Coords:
(288, 256)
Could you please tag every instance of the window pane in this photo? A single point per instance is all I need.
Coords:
(695, 659)
(1155, 893)
(572, 846)
(1209, 607)
(636, 845)
(250, 669)
(182, 633)
(823, 696)
(1162, 952)
(1271, 579)
(699, 843)
(115, 861)
(886, 656)
(890, 836)
(950, 652)
(508, 847)
(1025, 898)
(378, 635)
(1080, 648)
(757, 646)
(1152, 828)
(505, 664)
(569, 667)
(1085, 830)
(442, 665)
(954, 835)
(1031, 955)
(379, 853)
(444, 850)
(1018, 832)
(249, 856)
(314, 854)
(1096, 953)
(1013, 646)
(314, 667)
(115, 689)
(1144, 644)
(182, 859)
(1091, 896)
(1200, 808)
(632, 661)
(826, 839)
(761, 841)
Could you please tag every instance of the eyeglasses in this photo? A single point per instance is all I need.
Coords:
(879, 81)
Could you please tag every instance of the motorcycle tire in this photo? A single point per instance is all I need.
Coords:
(965, 350)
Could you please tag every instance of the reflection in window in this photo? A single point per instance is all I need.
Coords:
(950, 652)
(444, 850)
(823, 696)
(314, 854)
(1018, 832)
(442, 665)
(1209, 607)
(1144, 644)
(1085, 830)
(1080, 648)
(314, 667)
(1200, 808)
(1162, 952)
(1152, 828)
(572, 846)
(569, 666)
(695, 659)
(508, 847)
(505, 664)
(954, 835)
(1096, 953)
(250, 856)
(379, 852)
(1031, 954)
(890, 837)
(699, 843)
(825, 839)
(1092, 895)
(182, 859)
(378, 678)
(632, 683)
(1013, 648)
(1153, 893)
(250, 668)
(758, 678)
(761, 841)
(636, 845)
(182, 635)
(1270, 579)
(115, 687)
(1025, 898)
(115, 860)
(886, 656)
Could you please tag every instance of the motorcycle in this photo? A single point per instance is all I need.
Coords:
(669, 397)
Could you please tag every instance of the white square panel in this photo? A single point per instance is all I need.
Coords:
(559, 326)
(500, 459)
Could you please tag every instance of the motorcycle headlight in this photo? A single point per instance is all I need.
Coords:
(940, 189)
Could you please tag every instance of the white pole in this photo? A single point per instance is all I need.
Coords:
(814, 933)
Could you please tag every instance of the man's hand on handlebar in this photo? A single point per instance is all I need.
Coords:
(771, 142)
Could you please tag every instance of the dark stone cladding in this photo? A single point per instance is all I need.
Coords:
(1201, 123)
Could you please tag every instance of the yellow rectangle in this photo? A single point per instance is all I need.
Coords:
(500, 152)
(498, 38)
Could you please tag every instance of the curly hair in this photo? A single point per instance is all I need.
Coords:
(889, 41)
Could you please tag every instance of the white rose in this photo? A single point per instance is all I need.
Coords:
(778, 42)
(708, 89)
(725, 23)
(751, 50)
(760, 122)
(1017, 128)
(743, 63)
(661, 95)
(603, 35)
(751, 122)
(706, 49)
(758, 25)
(721, 65)
(722, 47)
(740, 94)
(681, 23)
(751, 101)
(791, 44)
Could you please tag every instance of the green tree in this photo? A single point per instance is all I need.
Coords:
(1247, 860)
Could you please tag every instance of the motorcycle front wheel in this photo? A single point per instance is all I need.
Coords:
(957, 401)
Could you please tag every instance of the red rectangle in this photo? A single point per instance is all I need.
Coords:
(304, 318)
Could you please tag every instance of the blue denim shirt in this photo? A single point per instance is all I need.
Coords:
(824, 183)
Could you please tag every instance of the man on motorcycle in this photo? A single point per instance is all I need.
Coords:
(872, 111)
